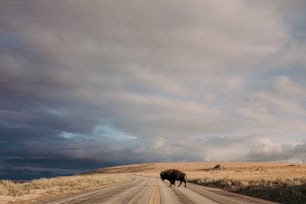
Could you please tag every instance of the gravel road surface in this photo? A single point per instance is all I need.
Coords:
(148, 190)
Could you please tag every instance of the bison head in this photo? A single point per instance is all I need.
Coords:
(162, 175)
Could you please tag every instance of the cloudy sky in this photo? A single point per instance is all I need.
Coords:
(86, 84)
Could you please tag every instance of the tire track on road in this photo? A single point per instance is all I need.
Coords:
(155, 194)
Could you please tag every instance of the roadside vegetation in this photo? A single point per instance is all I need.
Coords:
(11, 192)
(280, 190)
(290, 188)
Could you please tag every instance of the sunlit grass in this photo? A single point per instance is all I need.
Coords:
(58, 186)
(280, 182)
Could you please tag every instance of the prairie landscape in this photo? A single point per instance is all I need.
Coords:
(282, 182)
(90, 84)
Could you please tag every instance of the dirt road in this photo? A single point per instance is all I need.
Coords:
(147, 190)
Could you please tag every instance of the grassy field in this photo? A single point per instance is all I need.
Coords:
(43, 189)
(282, 182)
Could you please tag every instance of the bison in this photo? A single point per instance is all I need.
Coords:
(172, 174)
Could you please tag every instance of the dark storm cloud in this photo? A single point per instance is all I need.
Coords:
(109, 82)
(31, 152)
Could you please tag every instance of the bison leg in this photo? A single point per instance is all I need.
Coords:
(172, 182)
(181, 181)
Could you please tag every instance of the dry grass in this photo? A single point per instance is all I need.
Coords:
(34, 190)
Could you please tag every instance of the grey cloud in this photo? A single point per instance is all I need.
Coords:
(277, 152)
(169, 76)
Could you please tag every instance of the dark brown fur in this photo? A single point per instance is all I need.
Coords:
(172, 174)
